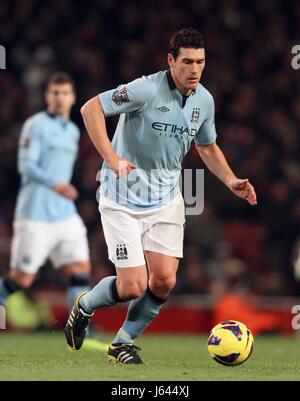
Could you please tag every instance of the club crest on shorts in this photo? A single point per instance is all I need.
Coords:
(120, 96)
(121, 252)
(195, 115)
(26, 260)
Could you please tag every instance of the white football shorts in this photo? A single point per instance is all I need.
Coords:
(129, 232)
(63, 242)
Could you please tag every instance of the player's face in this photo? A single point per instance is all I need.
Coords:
(187, 68)
(60, 98)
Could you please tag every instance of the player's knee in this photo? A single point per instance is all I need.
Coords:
(24, 283)
(162, 285)
(85, 268)
(132, 290)
(79, 268)
(23, 280)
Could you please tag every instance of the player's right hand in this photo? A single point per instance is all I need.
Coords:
(66, 190)
(120, 166)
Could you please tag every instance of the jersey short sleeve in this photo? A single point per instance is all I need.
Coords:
(206, 134)
(127, 98)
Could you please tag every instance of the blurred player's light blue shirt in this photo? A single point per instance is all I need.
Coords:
(48, 149)
(155, 131)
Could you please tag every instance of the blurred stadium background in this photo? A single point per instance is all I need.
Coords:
(239, 260)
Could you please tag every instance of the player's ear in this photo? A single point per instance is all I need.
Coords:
(170, 60)
(46, 93)
(74, 99)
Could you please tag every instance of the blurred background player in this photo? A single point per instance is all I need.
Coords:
(46, 223)
(161, 115)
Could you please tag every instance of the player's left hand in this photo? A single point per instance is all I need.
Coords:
(243, 189)
(66, 190)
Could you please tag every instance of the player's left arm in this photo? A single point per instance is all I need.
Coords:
(215, 160)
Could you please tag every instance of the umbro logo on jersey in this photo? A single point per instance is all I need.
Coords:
(164, 109)
(121, 252)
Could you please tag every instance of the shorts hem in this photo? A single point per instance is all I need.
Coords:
(138, 264)
(70, 261)
(24, 270)
(164, 252)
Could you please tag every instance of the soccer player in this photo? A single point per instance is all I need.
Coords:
(161, 115)
(46, 221)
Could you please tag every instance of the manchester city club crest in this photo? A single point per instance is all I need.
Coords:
(121, 252)
(195, 115)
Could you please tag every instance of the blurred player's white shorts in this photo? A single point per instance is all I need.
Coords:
(63, 242)
(128, 232)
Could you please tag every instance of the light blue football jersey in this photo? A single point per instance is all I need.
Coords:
(48, 149)
(155, 130)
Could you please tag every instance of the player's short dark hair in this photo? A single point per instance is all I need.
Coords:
(60, 78)
(185, 37)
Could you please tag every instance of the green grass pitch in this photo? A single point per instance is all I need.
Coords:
(45, 357)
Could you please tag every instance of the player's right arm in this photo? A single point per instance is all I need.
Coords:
(125, 98)
(94, 121)
(28, 161)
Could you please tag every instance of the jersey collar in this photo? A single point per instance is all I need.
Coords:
(172, 85)
(59, 118)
